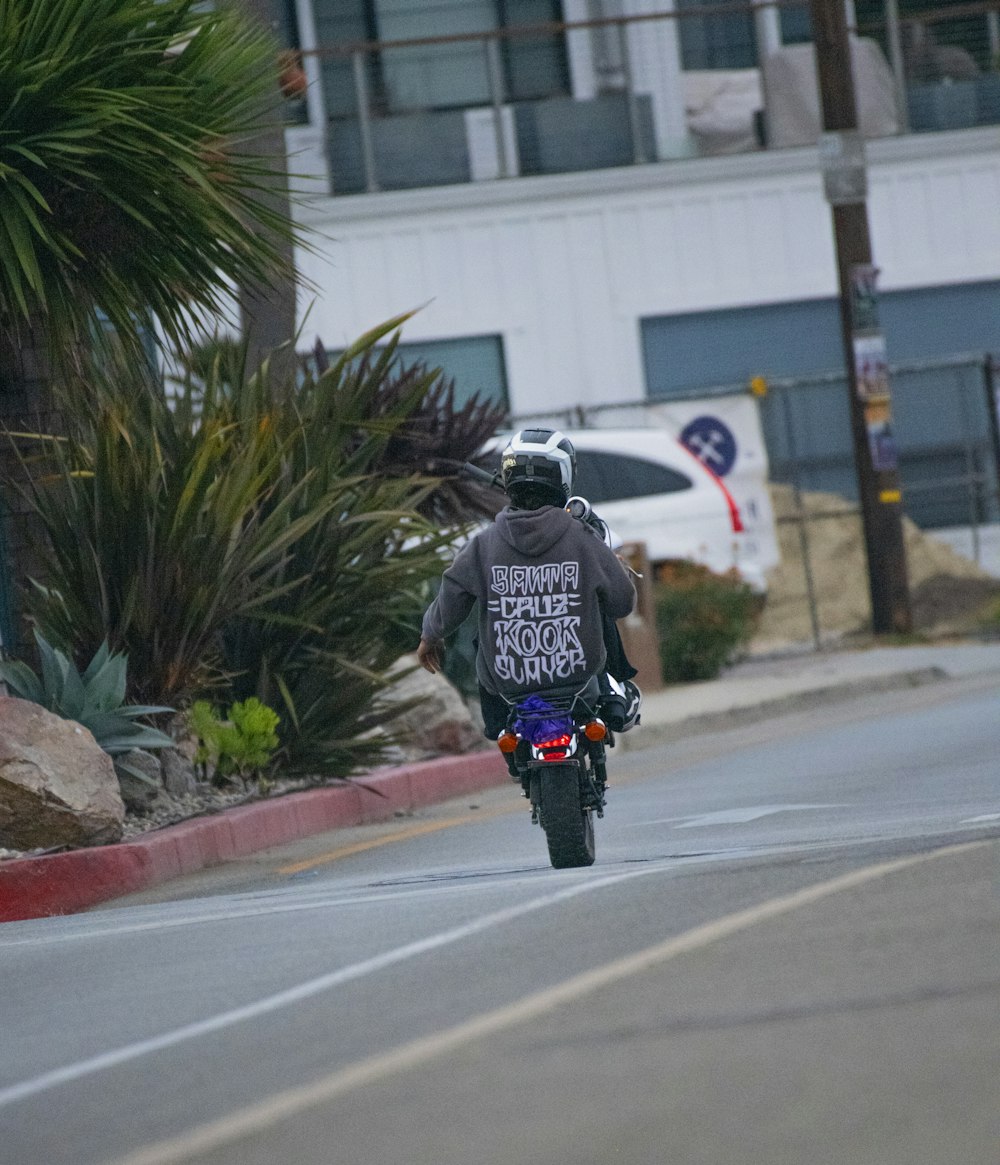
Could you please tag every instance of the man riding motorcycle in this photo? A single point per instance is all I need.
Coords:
(549, 590)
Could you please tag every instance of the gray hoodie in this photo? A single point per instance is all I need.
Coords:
(541, 579)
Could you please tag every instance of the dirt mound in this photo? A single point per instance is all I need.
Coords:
(947, 591)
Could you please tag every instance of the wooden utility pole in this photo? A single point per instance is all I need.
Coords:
(845, 183)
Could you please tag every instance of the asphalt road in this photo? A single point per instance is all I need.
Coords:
(787, 952)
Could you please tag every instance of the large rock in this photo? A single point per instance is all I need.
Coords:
(179, 777)
(57, 786)
(439, 721)
(139, 794)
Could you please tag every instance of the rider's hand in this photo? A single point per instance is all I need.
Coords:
(430, 656)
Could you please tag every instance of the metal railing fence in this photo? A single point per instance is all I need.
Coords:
(619, 90)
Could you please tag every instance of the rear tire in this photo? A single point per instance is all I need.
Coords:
(569, 829)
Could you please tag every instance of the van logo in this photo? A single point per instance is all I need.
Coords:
(712, 442)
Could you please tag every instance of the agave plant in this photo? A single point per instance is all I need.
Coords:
(95, 699)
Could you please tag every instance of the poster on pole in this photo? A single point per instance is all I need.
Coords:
(864, 297)
(881, 440)
(871, 367)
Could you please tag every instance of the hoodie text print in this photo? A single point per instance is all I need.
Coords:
(536, 623)
(541, 582)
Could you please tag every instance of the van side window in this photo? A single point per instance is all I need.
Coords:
(612, 477)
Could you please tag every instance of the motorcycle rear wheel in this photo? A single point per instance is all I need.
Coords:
(568, 827)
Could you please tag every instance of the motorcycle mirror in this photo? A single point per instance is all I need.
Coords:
(579, 507)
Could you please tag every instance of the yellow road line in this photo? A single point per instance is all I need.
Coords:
(271, 1111)
(345, 851)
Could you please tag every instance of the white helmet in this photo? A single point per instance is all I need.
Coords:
(539, 457)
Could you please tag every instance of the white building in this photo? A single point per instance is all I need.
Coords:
(594, 240)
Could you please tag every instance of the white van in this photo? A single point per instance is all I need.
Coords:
(649, 488)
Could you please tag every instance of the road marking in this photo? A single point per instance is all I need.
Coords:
(273, 1110)
(358, 847)
(735, 816)
(239, 907)
(302, 991)
(742, 816)
(982, 819)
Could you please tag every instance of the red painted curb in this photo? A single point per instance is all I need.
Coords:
(70, 882)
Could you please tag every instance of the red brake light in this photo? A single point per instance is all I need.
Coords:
(556, 749)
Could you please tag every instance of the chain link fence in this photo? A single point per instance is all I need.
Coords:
(945, 421)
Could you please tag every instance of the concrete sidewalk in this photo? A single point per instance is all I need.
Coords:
(766, 687)
(69, 882)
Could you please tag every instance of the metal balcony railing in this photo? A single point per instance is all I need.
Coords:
(629, 90)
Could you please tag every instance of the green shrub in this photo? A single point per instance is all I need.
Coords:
(246, 537)
(241, 745)
(95, 699)
(702, 619)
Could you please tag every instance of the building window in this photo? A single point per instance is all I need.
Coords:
(726, 40)
(453, 75)
(474, 363)
(287, 24)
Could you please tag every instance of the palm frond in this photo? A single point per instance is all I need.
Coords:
(124, 188)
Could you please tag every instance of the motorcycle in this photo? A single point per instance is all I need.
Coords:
(557, 740)
(558, 743)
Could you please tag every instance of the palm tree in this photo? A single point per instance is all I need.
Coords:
(127, 191)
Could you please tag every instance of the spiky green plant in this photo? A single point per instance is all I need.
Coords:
(95, 699)
(246, 537)
(379, 435)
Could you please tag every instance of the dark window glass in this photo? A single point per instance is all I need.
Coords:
(340, 22)
(611, 477)
(446, 76)
(716, 40)
(287, 24)
(474, 363)
(534, 67)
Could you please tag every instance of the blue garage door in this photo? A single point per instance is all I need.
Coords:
(941, 414)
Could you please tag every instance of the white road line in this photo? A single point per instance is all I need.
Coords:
(744, 816)
(982, 819)
(731, 816)
(234, 909)
(273, 1110)
(307, 990)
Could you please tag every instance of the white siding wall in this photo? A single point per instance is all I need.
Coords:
(564, 267)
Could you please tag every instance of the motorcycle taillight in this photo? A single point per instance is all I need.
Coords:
(556, 749)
